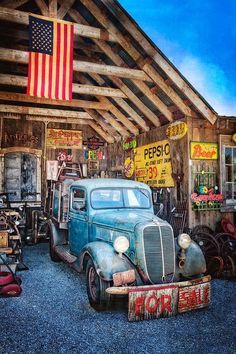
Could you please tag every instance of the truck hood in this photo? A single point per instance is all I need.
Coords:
(123, 219)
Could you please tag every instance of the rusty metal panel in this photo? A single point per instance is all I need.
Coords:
(194, 297)
(154, 302)
(3, 239)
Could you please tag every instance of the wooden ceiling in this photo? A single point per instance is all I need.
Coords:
(122, 84)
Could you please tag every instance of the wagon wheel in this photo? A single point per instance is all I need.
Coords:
(208, 244)
(202, 228)
(215, 266)
(224, 236)
(229, 267)
(228, 247)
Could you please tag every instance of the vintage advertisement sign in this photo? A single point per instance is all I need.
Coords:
(176, 130)
(61, 138)
(234, 137)
(129, 167)
(129, 144)
(153, 164)
(93, 143)
(203, 151)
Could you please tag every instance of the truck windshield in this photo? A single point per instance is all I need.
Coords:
(120, 198)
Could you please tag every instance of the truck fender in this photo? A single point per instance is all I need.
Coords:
(195, 261)
(56, 234)
(106, 260)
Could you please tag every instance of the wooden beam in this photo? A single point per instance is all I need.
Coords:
(57, 119)
(21, 81)
(114, 123)
(19, 56)
(64, 8)
(119, 115)
(43, 7)
(117, 60)
(103, 134)
(160, 59)
(13, 4)
(20, 97)
(104, 125)
(79, 30)
(133, 114)
(43, 111)
(53, 8)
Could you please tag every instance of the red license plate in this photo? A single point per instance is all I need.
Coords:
(153, 302)
(194, 297)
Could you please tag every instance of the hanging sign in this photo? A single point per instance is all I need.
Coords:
(129, 167)
(52, 169)
(176, 130)
(93, 143)
(61, 138)
(64, 156)
(153, 164)
(234, 137)
(203, 151)
(129, 144)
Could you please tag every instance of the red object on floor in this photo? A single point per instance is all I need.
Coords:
(228, 227)
(10, 290)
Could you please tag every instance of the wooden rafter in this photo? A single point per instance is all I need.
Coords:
(101, 132)
(160, 60)
(20, 97)
(13, 4)
(64, 8)
(80, 30)
(103, 124)
(43, 111)
(43, 7)
(52, 8)
(56, 119)
(21, 81)
(115, 58)
(120, 116)
(19, 56)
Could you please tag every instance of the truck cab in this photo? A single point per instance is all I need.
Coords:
(113, 235)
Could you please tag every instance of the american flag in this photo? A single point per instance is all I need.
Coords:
(50, 69)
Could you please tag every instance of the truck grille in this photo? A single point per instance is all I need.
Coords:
(159, 253)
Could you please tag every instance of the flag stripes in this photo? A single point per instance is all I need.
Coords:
(51, 76)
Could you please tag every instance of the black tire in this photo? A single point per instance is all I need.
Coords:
(96, 288)
(53, 255)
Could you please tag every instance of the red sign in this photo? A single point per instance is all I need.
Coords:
(167, 300)
(153, 302)
(93, 143)
(193, 297)
(206, 197)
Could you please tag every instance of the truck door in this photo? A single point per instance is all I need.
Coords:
(78, 220)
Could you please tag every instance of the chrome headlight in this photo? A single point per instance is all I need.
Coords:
(184, 241)
(121, 244)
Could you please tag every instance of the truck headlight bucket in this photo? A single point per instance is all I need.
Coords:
(184, 241)
(121, 244)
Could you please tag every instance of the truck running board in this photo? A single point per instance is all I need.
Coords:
(63, 252)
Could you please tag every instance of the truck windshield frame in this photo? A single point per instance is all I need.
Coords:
(120, 198)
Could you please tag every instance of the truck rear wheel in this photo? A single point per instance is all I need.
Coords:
(53, 255)
(96, 288)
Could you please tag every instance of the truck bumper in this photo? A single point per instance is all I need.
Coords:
(165, 300)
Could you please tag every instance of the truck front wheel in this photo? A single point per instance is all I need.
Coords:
(53, 255)
(96, 288)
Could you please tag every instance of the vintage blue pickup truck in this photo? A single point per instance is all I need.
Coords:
(107, 228)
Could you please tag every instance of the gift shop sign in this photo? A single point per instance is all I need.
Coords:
(61, 138)
(153, 164)
(203, 151)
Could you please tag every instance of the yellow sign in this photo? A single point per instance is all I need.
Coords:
(153, 164)
(129, 167)
(234, 137)
(203, 151)
(61, 138)
(176, 130)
